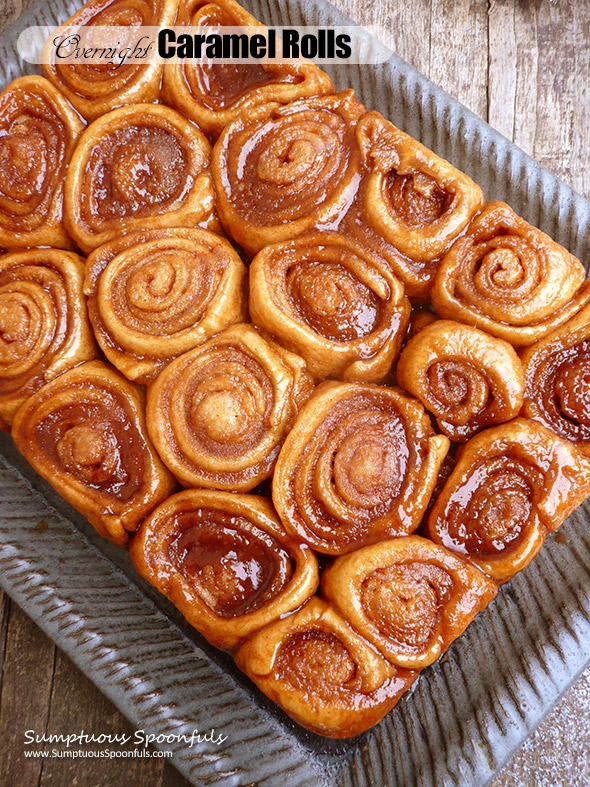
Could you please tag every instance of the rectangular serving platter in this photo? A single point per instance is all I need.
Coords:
(468, 712)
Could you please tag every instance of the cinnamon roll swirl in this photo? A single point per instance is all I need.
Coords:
(38, 134)
(212, 93)
(85, 433)
(139, 167)
(411, 205)
(44, 328)
(358, 466)
(334, 304)
(512, 485)
(218, 415)
(510, 279)
(282, 170)
(96, 88)
(465, 377)
(557, 377)
(155, 294)
(322, 673)
(409, 597)
(225, 561)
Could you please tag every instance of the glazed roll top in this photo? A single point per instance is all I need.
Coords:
(85, 433)
(322, 673)
(512, 485)
(465, 377)
(557, 381)
(212, 93)
(358, 466)
(225, 561)
(333, 303)
(155, 294)
(139, 167)
(510, 279)
(409, 597)
(282, 170)
(38, 133)
(44, 329)
(411, 205)
(219, 414)
(96, 88)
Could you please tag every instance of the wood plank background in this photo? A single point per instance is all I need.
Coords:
(522, 65)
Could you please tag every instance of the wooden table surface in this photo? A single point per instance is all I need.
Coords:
(522, 65)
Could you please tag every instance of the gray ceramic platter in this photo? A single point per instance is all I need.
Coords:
(468, 712)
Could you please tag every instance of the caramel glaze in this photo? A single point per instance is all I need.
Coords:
(512, 485)
(225, 561)
(212, 93)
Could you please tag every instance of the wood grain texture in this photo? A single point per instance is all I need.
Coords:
(523, 65)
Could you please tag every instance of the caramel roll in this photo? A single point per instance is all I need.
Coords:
(322, 673)
(412, 204)
(512, 485)
(358, 466)
(409, 597)
(335, 305)
(44, 328)
(85, 433)
(465, 377)
(96, 88)
(509, 278)
(212, 93)
(218, 415)
(38, 134)
(557, 381)
(225, 561)
(282, 170)
(139, 167)
(155, 294)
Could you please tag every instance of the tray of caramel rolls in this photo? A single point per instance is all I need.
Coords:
(294, 400)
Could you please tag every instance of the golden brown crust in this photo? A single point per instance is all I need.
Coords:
(218, 415)
(155, 294)
(358, 466)
(512, 485)
(334, 304)
(38, 133)
(212, 94)
(94, 89)
(85, 433)
(409, 597)
(138, 167)
(44, 328)
(465, 377)
(225, 561)
(322, 673)
(510, 279)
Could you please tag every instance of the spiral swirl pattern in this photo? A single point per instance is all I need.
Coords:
(44, 328)
(322, 673)
(225, 561)
(38, 134)
(218, 415)
(85, 433)
(510, 279)
(95, 88)
(513, 484)
(411, 205)
(212, 94)
(358, 466)
(282, 170)
(156, 294)
(139, 167)
(465, 377)
(329, 301)
(409, 597)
